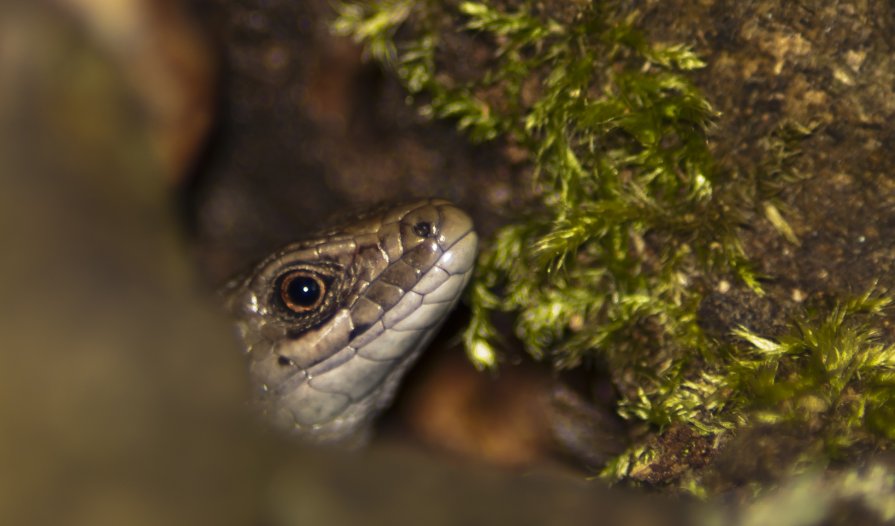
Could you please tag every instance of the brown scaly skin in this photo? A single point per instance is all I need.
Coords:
(331, 324)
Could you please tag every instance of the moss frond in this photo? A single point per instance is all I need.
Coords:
(607, 270)
(634, 224)
(830, 372)
(373, 24)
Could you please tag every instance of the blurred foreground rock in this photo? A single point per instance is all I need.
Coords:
(121, 390)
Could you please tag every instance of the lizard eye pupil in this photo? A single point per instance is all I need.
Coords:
(301, 291)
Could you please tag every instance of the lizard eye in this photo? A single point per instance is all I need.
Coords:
(301, 291)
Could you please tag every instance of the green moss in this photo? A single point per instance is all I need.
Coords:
(635, 221)
(831, 373)
(618, 138)
(830, 376)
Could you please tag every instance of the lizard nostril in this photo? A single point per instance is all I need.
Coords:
(424, 229)
(282, 360)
